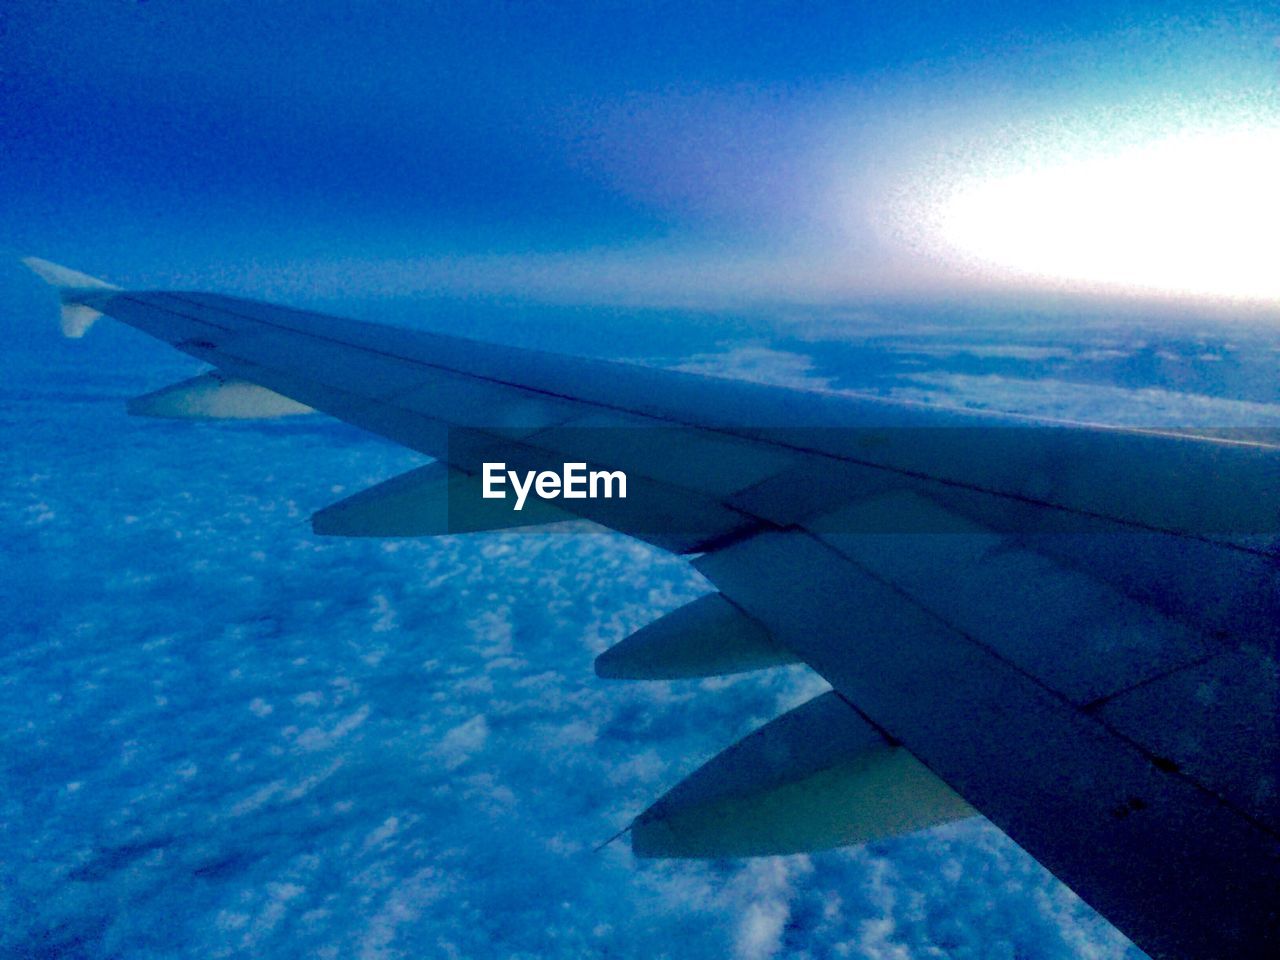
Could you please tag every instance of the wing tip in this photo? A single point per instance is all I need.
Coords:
(71, 285)
(64, 278)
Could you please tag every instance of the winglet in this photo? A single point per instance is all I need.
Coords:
(64, 278)
(77, 317)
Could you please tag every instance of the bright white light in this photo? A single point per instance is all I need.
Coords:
(1197, 212)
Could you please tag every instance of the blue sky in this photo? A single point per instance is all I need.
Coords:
(643, 152)
(223, 736)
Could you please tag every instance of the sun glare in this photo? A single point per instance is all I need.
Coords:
(1195, 212)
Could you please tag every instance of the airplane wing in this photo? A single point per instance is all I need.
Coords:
(1069, 629)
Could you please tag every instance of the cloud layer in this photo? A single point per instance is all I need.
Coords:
(223, 736)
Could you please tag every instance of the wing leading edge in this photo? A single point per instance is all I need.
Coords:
(1035, 616)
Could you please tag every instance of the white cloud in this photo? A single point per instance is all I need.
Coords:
(436, 787)
(1099, 403)
(460, 743)
(759, 364)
